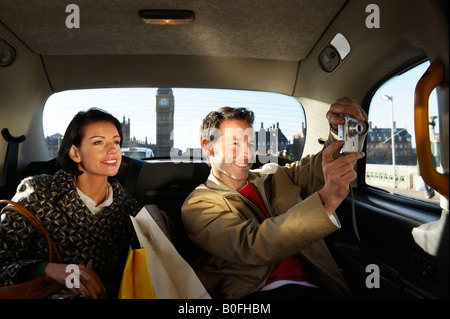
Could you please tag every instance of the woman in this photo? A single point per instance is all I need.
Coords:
(85, 213)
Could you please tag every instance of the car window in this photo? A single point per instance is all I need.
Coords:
(167, 120)
(137, 152)
(138, 155)
(392, 114)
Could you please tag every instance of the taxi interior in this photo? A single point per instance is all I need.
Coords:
(272, 46)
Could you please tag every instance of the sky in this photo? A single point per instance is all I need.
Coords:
(192, 105)
(401, 88)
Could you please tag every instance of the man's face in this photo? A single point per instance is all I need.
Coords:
(233, 153)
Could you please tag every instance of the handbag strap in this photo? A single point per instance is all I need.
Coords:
(28, 215)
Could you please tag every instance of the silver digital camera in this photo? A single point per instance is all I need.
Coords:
(349, 133)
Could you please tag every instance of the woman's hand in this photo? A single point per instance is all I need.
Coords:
(90, 283)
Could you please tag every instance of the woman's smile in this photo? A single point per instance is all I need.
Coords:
(111, 162)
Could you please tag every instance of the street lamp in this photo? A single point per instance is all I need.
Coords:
(391, 99)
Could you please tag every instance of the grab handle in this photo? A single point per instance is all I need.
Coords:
(433, 77)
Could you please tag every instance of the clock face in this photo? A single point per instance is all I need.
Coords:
(163, 101)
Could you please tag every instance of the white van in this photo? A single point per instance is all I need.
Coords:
(138, 152)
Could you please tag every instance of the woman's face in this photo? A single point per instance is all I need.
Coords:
(99, 152)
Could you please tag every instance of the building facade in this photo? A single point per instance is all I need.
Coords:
(272, 141)
(379, 146)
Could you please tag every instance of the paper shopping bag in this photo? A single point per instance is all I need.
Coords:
(136, 280)
(172, 276)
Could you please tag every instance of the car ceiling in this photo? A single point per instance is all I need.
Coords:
(240, 44)
(279, 30)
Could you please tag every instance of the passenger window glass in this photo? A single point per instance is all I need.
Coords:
(179, 113)
(392, 114)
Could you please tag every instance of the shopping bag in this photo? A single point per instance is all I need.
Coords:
(136, 280)
(172, 277)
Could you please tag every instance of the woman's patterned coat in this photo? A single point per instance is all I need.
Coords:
(79, 235)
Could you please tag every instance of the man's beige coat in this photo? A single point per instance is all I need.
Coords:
(240, 245)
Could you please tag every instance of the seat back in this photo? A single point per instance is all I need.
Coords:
(167, 184)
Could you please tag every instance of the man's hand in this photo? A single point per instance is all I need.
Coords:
(348, 107)
(338, 174)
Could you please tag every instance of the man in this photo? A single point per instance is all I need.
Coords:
(261, 230)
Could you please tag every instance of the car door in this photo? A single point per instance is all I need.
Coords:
(394, 237)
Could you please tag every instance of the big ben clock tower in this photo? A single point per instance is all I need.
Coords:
(165, 105)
